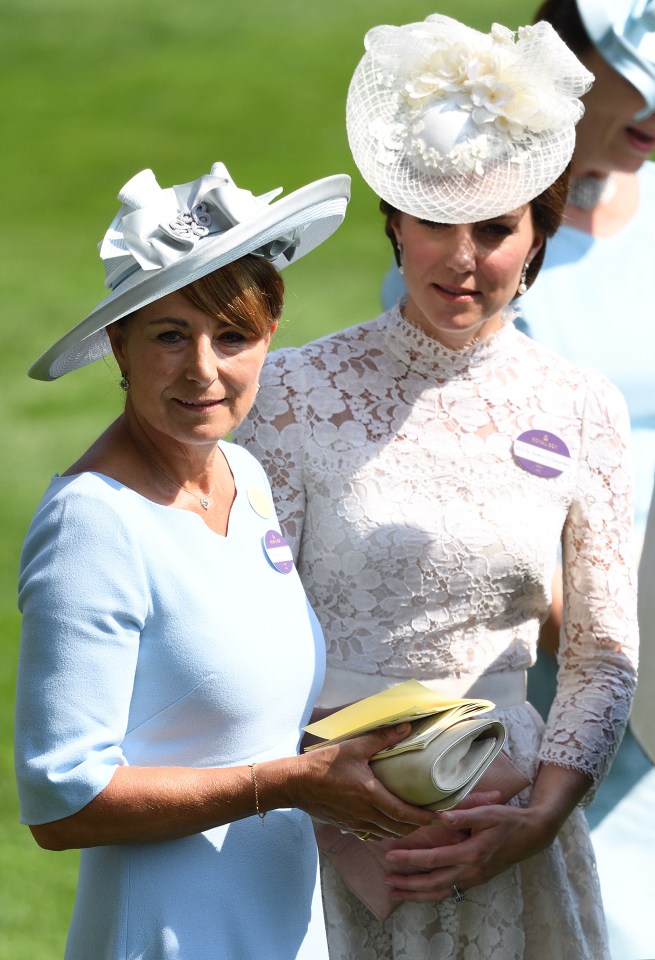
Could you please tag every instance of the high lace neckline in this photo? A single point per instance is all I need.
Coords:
(425, 354)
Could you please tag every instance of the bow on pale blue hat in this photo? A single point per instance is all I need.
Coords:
(156, 227)
(623, 32)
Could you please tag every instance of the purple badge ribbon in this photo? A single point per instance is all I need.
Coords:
(278, 551)
(542, 453)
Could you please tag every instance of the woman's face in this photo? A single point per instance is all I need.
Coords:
(460, 277)
(608, 137)
(192, 377)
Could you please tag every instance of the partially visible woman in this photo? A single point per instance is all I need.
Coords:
(426, 465)
(169, 656)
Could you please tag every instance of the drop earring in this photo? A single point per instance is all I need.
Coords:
(523, 282)
(399, 251)
(124, 383)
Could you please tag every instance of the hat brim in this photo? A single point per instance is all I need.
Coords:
(315, 210)
(606, 29)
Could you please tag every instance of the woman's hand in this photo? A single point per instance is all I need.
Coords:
(497, 837)
(438, 834)
(336, 784)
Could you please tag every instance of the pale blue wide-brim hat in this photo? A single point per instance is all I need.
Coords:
(163, 239)
(623, 32)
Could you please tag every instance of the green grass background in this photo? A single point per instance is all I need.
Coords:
(91, 93)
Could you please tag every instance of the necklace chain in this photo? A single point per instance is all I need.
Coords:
(204, 501)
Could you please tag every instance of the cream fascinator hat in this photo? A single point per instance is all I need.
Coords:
(455, 126)
(162, 239)
(623, 32)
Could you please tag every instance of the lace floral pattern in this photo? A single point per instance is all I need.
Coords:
(428, 551)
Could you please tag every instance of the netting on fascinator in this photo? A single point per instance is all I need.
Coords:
(453, 125)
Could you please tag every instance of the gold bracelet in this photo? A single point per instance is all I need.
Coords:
(254, 783)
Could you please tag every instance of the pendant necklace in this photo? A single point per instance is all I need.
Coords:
(468, 344)
(585, 193)
(204, 501)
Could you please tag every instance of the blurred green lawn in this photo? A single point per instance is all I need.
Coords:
(91, 94)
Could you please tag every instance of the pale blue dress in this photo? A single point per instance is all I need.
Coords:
(150, 640)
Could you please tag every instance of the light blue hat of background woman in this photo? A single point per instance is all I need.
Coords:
(623, 32)
(163, 239)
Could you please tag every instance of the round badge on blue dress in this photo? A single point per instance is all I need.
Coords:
(260, 501)
(278, 551)
(542, 453)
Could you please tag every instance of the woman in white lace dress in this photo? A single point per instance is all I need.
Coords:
(426, 465)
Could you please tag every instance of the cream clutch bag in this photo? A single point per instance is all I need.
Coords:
(437, 769)
(449, 748)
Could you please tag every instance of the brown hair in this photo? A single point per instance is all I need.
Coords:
(247, 293)
(547, 211)
(564, 17)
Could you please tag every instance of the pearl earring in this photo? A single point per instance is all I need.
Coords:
(523, 283)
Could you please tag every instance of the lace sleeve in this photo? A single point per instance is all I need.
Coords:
(598, 652)
(273, 432)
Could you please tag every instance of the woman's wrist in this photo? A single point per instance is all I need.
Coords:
(556, 793)
(277, 784)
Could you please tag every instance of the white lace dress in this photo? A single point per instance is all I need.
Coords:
(428, 552)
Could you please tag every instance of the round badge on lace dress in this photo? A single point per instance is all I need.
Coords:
(542, 453)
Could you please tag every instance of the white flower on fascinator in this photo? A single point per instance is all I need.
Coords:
(436, 100)
(466, 100)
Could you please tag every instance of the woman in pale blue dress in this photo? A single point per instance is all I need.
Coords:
(169, 656)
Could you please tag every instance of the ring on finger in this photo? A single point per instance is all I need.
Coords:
(458, 895)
